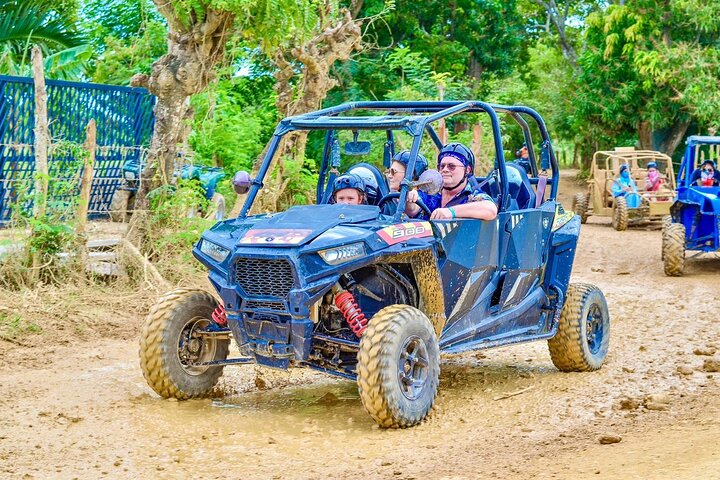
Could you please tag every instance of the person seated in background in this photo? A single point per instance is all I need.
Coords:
(522, 158)
(653, 182)
(624, 186)
(457, 199)
(349, 189)
(706, 175)
(398, 167)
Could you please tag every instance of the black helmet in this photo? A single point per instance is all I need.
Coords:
(349, 180)
(460, 152)
(421, 163)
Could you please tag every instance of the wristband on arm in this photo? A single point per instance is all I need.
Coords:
(452, 212)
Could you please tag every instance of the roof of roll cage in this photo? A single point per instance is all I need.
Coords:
(414, 113)
(702, 140)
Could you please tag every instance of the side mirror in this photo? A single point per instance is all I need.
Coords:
(241, 182)
(430, 182)
(357, 148)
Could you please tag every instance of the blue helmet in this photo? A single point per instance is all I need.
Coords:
(349, 180)
(651, 165)
(459, 152)
(421, 163)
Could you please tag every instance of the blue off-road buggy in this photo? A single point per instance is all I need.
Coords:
(350, 291)
(122, 202)
(694, 222)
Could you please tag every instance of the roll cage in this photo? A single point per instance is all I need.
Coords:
(415, 118)
(691, 157)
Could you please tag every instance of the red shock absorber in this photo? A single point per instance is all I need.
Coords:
(345, 302)
(219, 316)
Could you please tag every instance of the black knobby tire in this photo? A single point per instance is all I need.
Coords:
(620, 214)
(583, 336)
(119, 205)
(673, 249)
(581, 204)
(666, 221)
(169, 345)
(398, 367)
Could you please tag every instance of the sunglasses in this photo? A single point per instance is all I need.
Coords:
(450, 166)
(708, 170)
(391, 172)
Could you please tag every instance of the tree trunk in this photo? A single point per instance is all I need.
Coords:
(316, 57)
(194, 50)
(645, 135)
(559, 19)
(676, 135)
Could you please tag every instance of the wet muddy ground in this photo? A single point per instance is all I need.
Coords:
(82, 409)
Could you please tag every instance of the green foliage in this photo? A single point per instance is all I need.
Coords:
(14, 327)
(649, 61)
(24, 23)
(234, 119)
(123, 20)
(123, 58)
(175, 226)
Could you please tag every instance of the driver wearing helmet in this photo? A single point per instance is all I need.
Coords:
(457, 198)
(349, 189)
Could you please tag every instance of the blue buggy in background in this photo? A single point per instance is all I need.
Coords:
(375, 298)
(123, 199)
(694, 222)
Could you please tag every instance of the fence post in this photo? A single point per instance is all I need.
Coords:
(42, 141)
(87, 176)
(42, 134)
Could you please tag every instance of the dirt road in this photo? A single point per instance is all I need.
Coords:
(83, 410)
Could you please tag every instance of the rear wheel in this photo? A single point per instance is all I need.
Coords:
(620, 214)
(673, 249)
(398, 367)
(583, 337)
(172, 345)
(581, 206)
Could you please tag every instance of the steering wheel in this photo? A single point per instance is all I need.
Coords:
(395, 196)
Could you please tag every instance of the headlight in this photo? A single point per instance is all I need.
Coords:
(338, 255)
(213, 251)
(129, 175)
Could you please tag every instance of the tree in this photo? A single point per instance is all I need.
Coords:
(334, 37)
(651, 68)
(24, 23)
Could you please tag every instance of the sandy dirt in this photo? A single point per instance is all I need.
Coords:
(80, 408)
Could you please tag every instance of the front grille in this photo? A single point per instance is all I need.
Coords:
(258, 304)
(264, 278)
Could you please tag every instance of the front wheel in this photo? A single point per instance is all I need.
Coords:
(173, 345)
(620, 214)
(398, 367)
(673, 249)
(583, 336)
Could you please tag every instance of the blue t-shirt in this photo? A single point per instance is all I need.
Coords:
(467, 194)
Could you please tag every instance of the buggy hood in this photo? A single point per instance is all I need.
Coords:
(707, 197)
(300, 225)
